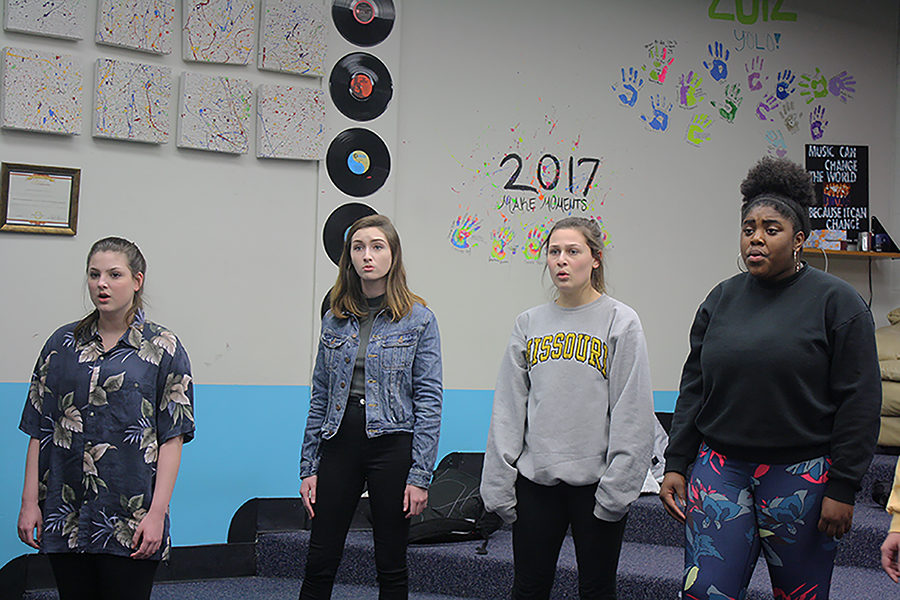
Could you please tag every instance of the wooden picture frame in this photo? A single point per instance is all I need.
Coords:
(39, 199)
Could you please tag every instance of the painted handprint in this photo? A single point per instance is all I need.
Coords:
(785, 87)
(791, 117)
(534, 239)
(659, 119)
(662, 59)
(817, 122)
(777, 145)
(754, 73)
(718, 66)
(732, 101)
(696, 132)
(500, 244)
(842, 86)
(461, 231)
(689, 92)
(814, 86)
(767, 105)
(629, 86)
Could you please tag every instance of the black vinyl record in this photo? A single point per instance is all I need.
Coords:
(363, 22)
(358, 162)
(338, 223)
(361, 86)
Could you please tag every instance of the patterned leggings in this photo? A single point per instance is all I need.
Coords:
(737, 508)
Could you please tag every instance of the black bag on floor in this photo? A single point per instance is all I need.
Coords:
(455, 511)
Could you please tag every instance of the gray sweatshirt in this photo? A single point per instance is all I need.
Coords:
(573, 404)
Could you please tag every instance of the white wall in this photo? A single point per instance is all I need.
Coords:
(229, 240)
(233, 243)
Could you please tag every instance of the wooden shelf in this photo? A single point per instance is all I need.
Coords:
(813, 252)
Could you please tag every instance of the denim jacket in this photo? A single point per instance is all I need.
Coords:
(403, 385)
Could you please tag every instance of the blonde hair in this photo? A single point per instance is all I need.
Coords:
(347, 297)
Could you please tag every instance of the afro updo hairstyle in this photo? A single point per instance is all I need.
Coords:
(785, 186)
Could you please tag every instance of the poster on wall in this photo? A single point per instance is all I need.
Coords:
(841, 177)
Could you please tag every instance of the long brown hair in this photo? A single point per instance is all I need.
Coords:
(136, 264)
(347, 296)
(593, 235)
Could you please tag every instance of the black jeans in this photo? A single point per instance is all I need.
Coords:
(543, 514)
(348, 461)
(102, 576)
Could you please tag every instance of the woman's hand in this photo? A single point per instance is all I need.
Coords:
(836, 517)
(890, 556)
(148, 537)
(414, 500)
(673, 496)
(308, 493)
(30, 524)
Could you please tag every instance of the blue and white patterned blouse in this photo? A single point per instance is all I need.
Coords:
(100, 418)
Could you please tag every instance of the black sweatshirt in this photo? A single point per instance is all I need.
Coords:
(781, 372)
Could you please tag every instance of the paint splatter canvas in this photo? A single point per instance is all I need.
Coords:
(292, 37)
(290, 122)
(131, 101)
(144, 25)
(214, 113)
(219, 31)
(41, 91)
(52, 18)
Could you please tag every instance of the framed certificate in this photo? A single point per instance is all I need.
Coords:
(38, 199)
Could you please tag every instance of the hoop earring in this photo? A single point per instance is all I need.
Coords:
(740, 264)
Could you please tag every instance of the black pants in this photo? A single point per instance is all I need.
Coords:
(543, 514)
(348, 461)
(102, 576)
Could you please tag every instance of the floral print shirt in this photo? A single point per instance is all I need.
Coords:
(100, 417)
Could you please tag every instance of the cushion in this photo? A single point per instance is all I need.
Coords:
(890, 398)
(888, 341)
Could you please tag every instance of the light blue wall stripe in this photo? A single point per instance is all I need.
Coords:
(247, 446)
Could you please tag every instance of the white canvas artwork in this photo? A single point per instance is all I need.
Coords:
(131, 101)
(290, 122)
(144, 25)
(292, 37)
(215, 113)
(52, 18)
(41, 91)
(219, 31)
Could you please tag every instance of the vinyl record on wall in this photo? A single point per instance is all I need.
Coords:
(363, 22)
(361, 86)
(338, 223)
(358, 162)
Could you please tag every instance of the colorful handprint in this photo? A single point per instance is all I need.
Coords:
(628, 88)
(718, 65)
(784, 87)
(689, 92)
(754, 74)
(659, 119)
(662, 59)
(842, 86)
(461, 231)
(817, 122)
(729, 105)
(766, 105)
(777, 145)
(791, 117)
(814, 86)
(501, 243)
(696, 131)
(534, 240)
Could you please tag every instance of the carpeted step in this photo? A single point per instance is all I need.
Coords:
(646, 571)
(648, 523)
